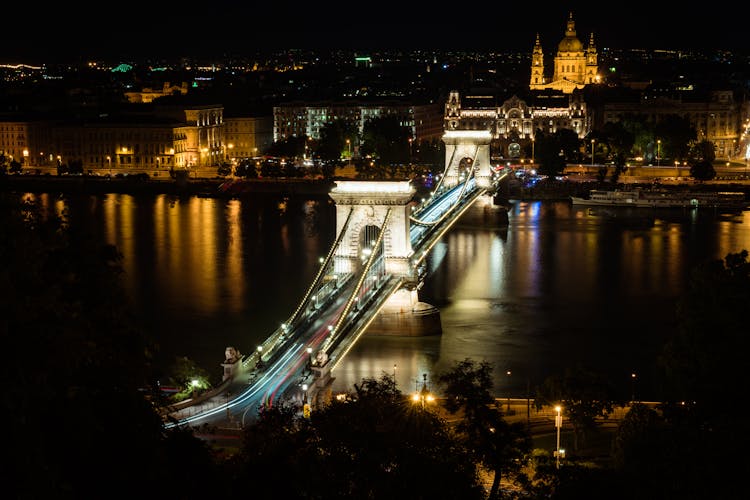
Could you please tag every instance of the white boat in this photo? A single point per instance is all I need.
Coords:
(651, 198)
(600, 197)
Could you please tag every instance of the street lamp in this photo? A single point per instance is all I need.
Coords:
(532, 149)
(508, 374)
(632, 388)
(424, 394)
(305, 404)
(658, 152)
(226, 396)
(558, 425)
(592, 151)
(349, 147)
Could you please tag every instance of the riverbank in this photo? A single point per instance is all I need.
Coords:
(185, 187)
(237, 188)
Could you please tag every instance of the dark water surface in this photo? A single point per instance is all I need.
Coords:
(557, 285)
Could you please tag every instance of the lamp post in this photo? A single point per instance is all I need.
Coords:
(349, 148)
(632, 388)
(410, 150)
(226, 399)
(508, 406)
(593, 141)
(558, 425)
(658, 152)
(423, 396)
(305, 404)
(533, 140)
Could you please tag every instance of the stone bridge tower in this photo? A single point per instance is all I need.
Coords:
(403, 314)
(464, 150)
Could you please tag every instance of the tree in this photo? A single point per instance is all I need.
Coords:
(619, 142)
(702, 156)
(584, 396)
(702, 170)
(569, 143)
(332, 143)
(247, 169)
(387, 140)
(290, 147)
(185, 373)
(431, 153)
(676, 133)
(84, 410)
(224, 169)
(373, 444)
(696, 366)
(549, 155)
(497, 444)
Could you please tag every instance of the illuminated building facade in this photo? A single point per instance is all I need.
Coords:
(166, 138)
(247, 136)
(514, 122)
(149, 94)
(306, 119)
(574, 66)
(716, 115)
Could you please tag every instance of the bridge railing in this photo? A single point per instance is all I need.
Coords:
(374, 257)
(318, 293)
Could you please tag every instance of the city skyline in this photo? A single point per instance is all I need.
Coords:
(59, 33)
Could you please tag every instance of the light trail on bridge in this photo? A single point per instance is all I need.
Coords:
(287, 352)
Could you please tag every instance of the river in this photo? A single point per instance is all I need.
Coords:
(555, 286)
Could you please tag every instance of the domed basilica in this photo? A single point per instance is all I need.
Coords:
(574, 66)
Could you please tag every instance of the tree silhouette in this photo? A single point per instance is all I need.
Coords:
(498, 444)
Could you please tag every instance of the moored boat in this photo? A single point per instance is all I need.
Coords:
(653, 198)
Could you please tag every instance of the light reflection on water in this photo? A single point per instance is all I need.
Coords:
(557, 285)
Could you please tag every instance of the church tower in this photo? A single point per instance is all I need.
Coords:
(537, 65)
(592, 68)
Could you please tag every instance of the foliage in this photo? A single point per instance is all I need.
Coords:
(332, 144)
(702, 155)
(247, 169)
(290, 147)
(675, 133)
(635, 438)
(378, 443)
(619, 143)
(224, 169)
(499, 445)
(705, 360)
(703, 150)
(702, 170)
(431, 153)
(185, 373)
(549, 155)
(584, 396)
(386, 139)
(79, 365)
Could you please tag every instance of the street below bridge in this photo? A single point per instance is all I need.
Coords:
(225, 436)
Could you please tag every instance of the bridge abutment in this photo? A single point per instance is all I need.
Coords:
(404, 315)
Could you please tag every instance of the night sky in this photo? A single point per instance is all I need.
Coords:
(78, 30)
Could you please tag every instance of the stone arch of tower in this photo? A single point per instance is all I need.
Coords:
(461, 145)
(363, 236)
(371, 202)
